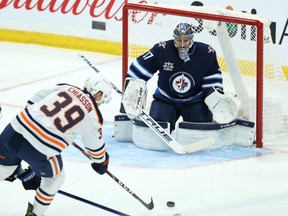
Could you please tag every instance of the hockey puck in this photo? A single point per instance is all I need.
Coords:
(170, 204)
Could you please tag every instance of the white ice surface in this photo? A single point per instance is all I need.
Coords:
(224, 182)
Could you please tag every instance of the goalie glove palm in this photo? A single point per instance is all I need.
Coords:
(224, 107)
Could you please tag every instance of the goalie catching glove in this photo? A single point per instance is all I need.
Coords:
(134, 97)
(223, 107)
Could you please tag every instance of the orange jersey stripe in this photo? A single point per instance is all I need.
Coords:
(2, 157)
(55, 165)
(59, 144)
(44, 198)
(98, 154)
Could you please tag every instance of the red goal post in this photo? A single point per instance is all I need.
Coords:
(245, 74)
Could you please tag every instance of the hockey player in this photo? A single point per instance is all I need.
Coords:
(188, 73)
(52, 120)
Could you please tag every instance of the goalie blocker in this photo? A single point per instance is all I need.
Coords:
(134, 97)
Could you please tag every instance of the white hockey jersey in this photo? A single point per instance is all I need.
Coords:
(54, 118)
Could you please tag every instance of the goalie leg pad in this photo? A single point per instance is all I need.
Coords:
(238, 133)
(144, 137)
(122, 128)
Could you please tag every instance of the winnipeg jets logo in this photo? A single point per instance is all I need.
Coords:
(210, 49)
(162, 44)
(182, 83)
(168, 66)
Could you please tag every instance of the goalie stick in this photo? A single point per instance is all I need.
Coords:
(156, 128)
(172, 143)
(147, 205)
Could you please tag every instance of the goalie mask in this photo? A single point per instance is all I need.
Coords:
(93, 85)
(183, 40)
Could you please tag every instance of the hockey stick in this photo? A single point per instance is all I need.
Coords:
(172, 143)
(92, 203)
(166, 137)
(148, 206)
(97, 71)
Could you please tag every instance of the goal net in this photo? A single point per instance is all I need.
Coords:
(245, 53)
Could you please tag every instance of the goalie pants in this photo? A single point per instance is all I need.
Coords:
(13, 149)
(169, 112)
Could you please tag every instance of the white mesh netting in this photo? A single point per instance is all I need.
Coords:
(236, 49)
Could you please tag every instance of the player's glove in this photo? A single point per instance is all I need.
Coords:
(101, 168)
(30, 180)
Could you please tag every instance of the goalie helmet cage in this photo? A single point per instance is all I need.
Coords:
(245, 53)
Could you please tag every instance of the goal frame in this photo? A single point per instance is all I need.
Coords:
(259, 49)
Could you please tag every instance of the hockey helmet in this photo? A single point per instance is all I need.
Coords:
(95, 84)
(183, 39)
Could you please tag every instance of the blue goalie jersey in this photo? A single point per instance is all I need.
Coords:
(179, 81)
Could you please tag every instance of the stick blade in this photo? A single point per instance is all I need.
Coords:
(150, 206)
(199, 145)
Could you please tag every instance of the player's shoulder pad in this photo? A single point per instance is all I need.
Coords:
(205, 47)
(164, 44)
